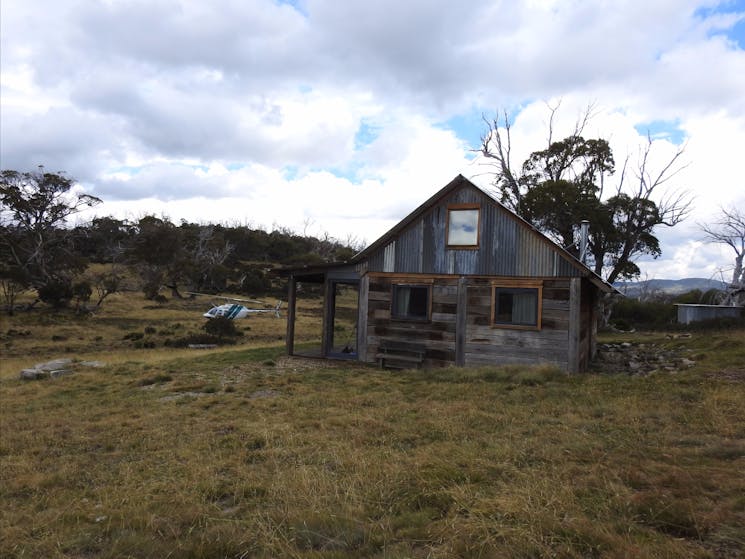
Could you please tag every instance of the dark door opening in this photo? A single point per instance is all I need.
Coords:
(342, 320)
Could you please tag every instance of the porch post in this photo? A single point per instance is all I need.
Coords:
(575, 324)
(327, 332)
(291, 297)
(461, 315)
(362, 296)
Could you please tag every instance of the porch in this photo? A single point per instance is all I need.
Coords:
(338, 335)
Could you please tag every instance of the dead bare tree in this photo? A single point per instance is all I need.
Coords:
(729, 229)
(496, 148)
(638, 205)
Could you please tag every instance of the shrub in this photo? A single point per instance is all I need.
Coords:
(56, 292)
(82, 291)
(221, 327)
(255, 282)
(198, 339)
(631, 312)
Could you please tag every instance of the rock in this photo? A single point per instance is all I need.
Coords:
(33, 374)
(97, 364)
(53, 365)
(612, 356)
(51, 369)
(687, 362)
(635, 365)
(626, 344)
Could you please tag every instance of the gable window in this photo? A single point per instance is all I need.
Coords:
(411, 302)
(463, 226)
(516, 306)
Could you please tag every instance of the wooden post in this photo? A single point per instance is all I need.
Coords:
(291, 297)
(327, 331)
(461, 315)
(362, 297)
(594, 324)
(575, 324)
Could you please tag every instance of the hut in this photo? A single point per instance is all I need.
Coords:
(696, 313)
(461, 281)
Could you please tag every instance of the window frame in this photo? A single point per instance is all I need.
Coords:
(525, 285)
(422, 285)
(462, 207)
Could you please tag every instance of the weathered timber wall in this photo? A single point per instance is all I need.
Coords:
(486, 345)
(437, 336)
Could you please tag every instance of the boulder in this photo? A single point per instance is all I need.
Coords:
(33, 374)
(51, 369)
(54, 364)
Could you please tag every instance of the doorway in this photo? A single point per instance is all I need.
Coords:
(341, 326)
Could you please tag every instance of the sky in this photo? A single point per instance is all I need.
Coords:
(340, 118)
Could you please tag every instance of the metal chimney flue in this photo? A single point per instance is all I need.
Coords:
(584, 232)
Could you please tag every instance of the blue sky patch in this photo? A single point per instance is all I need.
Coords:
(349, 172)
(468, 126)
(365, 135)
(291, 172)
(127, 170)
(737, 32)
(297, 5)
(662, 129)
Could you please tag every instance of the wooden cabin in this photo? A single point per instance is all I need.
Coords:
(462, 281)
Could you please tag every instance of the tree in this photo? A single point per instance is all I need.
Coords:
(208, 254)
(34, 209)
(558, 187)
(729, 229)
(104, 239)
(14, 280)
(157, 251)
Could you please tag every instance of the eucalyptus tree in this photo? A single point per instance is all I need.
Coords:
(36, 246)
(556, 188)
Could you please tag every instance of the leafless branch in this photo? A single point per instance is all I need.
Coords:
(498, 149)
(729, 229)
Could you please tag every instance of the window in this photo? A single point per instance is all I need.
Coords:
(463, 226)
(518, 307)
(410, 302)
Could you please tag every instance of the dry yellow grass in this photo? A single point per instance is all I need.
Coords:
(42, 334)
(247, 453)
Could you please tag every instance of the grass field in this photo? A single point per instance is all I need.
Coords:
(243, 452)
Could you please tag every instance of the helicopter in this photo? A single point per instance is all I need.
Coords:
(237, 310)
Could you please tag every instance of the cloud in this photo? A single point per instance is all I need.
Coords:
(267, 106)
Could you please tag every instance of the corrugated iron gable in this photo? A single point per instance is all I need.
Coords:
(508, 246)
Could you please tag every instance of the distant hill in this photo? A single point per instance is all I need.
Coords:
(671, 287)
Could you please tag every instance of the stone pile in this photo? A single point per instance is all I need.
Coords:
(55, 369)
(639, 359)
